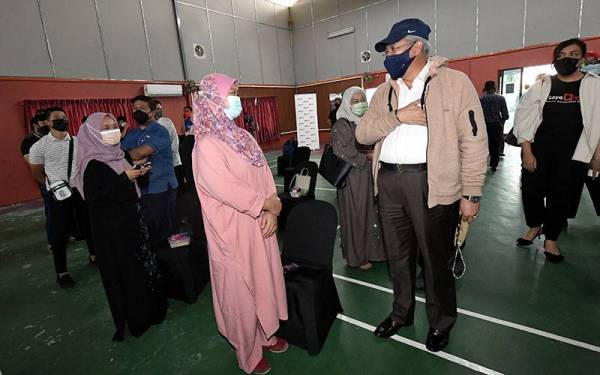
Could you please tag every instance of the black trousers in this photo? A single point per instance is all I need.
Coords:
(46, 198)
(159, 214)
(495, 140)
(548, 193)
(411, 229)
(61, 215)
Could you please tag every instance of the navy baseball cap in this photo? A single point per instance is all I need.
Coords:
(409, 26)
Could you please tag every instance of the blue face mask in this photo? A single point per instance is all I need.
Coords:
(397, 65)
(235, 107)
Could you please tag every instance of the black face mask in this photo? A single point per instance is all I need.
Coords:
(566, 66)
(140, 117)
(43, 130)
(60, 125)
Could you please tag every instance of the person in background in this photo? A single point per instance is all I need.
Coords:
(557, 124)
(592, 63)
(251, 125)
(240, 209)
(168, 124)
(188, 121)
(129, 270)
(495, 113)
(40, 129)
(332, 115)
(151, 143)
(123, 125)
(359, 223)
(49, 162)
(431, 156)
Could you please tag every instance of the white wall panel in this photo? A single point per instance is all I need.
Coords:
(124, 39)
(194, 29)
(286, 57)
(269, 55)
(23, 44)
(249, 51)
(456, 27)
(304, 55)
(163, 40)
(551, 21)
(75, 38)
(225, 49)
(494, 33)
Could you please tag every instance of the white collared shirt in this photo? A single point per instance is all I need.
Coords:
(407, 144)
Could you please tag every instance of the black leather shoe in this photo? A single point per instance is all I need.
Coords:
(389, 327)
(437, 340)
(65, 281)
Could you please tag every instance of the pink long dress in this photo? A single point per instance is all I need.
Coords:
(248, 290)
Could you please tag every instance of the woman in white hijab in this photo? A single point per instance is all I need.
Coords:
(359, 223)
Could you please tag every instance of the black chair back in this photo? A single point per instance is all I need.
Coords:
(310, 234)
(301, 154)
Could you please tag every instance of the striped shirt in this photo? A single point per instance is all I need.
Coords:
(54, 155)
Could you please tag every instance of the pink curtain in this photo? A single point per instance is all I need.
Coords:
(264, 112)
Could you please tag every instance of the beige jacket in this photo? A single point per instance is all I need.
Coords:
(457, 148)
(528, 115)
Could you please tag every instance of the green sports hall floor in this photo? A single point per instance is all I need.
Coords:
(519, 314)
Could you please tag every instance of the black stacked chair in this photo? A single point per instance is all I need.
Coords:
(301, 155)
(287, 201)
(185, 269)
(313, 301)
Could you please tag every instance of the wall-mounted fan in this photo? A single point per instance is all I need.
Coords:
(365, 56)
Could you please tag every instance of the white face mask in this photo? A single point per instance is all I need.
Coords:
(107, 137)
(111, 137)
(235, 107)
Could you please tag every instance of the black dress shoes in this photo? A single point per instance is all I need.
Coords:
(437, 340)
(389, 327)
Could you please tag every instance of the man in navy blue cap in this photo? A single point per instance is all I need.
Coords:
(430, 162)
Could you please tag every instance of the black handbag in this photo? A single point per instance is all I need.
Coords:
(511, 139)
(334, 169)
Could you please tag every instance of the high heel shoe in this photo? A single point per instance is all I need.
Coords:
(522, 242)
(554, 258)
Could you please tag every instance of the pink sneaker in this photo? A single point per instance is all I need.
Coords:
(263, 367)
(279, 347)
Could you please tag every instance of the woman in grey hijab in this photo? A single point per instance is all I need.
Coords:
(359, 223)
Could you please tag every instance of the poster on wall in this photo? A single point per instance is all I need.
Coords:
(307, 125)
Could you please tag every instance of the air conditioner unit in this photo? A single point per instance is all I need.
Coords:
(163, 90)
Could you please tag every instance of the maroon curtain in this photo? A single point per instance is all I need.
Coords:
(264, 112)
(76, 109)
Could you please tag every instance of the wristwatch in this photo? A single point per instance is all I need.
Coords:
(473, 198)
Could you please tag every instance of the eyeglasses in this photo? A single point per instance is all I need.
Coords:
(393, 50)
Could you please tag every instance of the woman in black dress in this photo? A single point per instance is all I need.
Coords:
(129, 270)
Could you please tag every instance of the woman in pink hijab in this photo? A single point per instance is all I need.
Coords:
(240, 209)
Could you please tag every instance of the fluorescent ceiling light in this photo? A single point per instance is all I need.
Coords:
(285, 3)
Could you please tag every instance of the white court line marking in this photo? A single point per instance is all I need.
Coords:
(418, 345)
(326, 189)
(490, 319)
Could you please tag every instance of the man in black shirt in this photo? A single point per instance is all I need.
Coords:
(40, 129)
(39, 124)
(496, 113)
